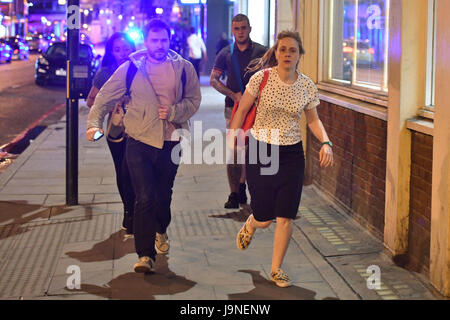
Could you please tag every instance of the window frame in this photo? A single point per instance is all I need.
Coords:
(427, 111)
(374, 96)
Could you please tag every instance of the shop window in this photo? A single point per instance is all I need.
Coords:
(357, 44)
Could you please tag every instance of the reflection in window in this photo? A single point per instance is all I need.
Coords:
(359, 43)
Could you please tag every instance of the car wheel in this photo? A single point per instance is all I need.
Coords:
(40, 82)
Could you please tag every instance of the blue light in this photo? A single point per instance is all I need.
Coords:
(192, 1)
(136, 35)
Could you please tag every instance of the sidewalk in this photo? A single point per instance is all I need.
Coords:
(40, 237)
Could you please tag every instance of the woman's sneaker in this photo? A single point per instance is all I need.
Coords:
(280, 278)
(162, 243)
(144, 265)
(244, 237)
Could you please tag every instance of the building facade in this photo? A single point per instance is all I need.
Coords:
(381, 67)
(13, 17)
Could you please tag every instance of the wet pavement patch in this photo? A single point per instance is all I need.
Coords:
(19, 146)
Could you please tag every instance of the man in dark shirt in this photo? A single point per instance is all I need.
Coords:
(229, 59)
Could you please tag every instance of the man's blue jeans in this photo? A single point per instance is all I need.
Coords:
(152, 173)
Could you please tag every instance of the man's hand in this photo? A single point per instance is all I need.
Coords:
(91, 132)
(237, 96)
(163, 112)
(117, 115)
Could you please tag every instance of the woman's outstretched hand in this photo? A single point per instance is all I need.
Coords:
(326, 156)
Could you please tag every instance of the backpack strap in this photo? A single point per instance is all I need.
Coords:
(131, 72)
(183, 81)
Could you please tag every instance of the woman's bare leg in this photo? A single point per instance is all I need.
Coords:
(281, 240)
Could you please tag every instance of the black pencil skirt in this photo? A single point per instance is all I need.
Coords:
(279, 194)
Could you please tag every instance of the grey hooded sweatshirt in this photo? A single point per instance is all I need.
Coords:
(141, 120)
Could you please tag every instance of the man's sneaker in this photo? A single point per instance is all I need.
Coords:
(242, 196)
(280, 278)
(244, 237)
(128, 236)
(233, 201)
(144, 265)
(162, 243)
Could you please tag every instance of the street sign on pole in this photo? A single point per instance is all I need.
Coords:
(73, 48)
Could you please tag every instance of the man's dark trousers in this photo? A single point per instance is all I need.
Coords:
(152, 173)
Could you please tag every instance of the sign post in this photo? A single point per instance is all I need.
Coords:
(73, 47)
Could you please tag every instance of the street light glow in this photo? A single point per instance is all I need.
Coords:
(159, 10)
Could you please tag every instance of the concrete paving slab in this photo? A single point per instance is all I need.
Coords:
(68, 297)
(30, 199)
(61, 199)
(21, 213)
(63, 264)
(334, 234)
(38, 173)
(393, 280)
(87, 251)
(107, 197)
(99, 227)
(93, 283)
(198, 292)
(32, 276)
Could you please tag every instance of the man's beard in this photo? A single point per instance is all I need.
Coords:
(161, 53)
(244, 41)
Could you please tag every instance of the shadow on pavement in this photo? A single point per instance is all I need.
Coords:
(267, 290)
(20, 213)
(135, 286)
(112, 248)
(239, 216)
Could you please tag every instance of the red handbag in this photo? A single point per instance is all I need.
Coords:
(251, 115)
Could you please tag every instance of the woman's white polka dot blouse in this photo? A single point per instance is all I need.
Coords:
(280, 107)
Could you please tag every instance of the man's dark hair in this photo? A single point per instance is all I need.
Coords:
(240, 17)
(156, 24)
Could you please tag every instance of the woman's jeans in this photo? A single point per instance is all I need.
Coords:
(123, 181)
(152, 173)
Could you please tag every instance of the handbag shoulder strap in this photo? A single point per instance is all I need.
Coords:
(262, 85)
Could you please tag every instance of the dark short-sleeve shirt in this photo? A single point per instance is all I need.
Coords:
(102, 75)
(224, 62)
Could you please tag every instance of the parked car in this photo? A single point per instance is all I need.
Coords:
(20, 48)
(38, 42)
(364, 53)
(51, 67)
(5, 51)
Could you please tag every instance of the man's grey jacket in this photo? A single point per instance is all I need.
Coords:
(141, 120)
